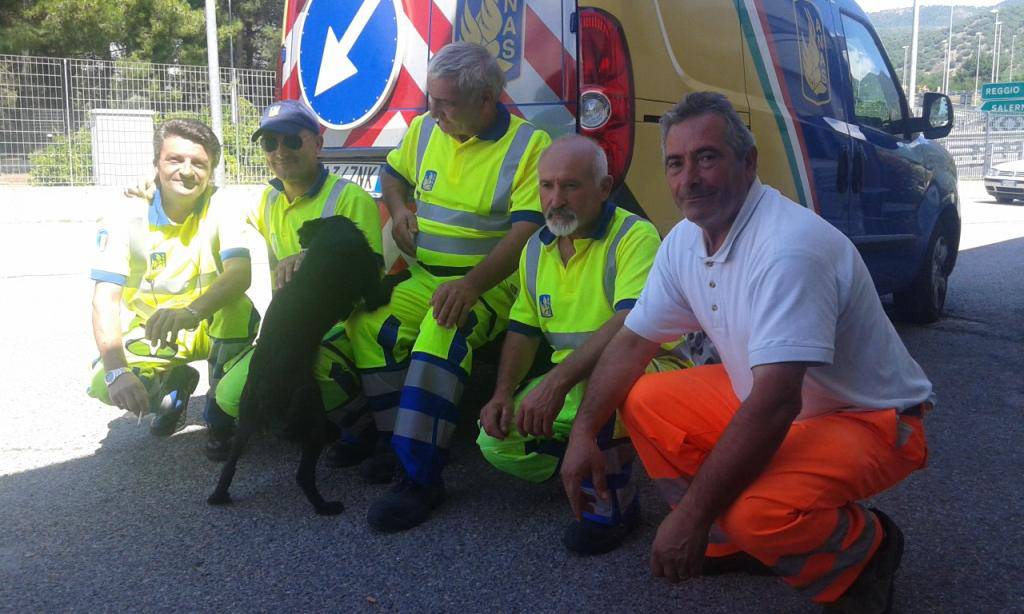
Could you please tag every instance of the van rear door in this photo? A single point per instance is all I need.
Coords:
(362, 66)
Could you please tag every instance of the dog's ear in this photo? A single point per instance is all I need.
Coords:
(309, 231)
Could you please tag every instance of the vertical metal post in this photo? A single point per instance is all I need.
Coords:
(214, 72)
(977, 69)
(913, 55)
(987, 163)
(66, 78)
(949, 53)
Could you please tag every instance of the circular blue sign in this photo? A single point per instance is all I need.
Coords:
(349, 58)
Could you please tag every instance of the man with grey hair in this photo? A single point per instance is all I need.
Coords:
(461, 189)
(817, 404)
(568, 299)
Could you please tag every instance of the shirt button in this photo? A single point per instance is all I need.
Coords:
(709, 264)
(712, 284)
(714, 308)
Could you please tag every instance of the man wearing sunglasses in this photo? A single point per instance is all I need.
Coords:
(178, 269)
(302, 190)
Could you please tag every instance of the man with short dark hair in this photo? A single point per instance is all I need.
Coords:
(171, 275)
(817, 404)
(303, 189)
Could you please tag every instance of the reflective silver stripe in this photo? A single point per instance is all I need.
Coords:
(462, 219)
(175, 287)
(792, 564)
(271, 198)
(532, 264)
(509, 165)
(421, 144)
(855, 554)
(432, 378)
(331, 204)
(611, 264)
(421, 427)
(380, 383)
(672, 489)
(567, 341)
(461, 246)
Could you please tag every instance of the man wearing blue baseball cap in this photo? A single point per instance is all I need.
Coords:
(303, 189)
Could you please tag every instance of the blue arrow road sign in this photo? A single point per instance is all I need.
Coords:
(1004, 106)
(349, 58)
(1011, 90)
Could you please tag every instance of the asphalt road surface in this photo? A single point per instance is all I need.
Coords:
(97, 515)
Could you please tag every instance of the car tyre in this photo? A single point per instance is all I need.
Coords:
(923, 301)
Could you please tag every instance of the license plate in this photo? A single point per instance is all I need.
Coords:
(367, 176)
(1008, 183)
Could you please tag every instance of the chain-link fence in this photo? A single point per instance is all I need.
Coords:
(83, 122)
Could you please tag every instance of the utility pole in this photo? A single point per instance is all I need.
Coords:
(904, 81)
(995, 46)
(214, 72)
(1013, 45)
(977, 69)
(913, 54)
(949, 53)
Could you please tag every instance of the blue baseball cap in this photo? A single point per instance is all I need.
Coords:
(287, 117)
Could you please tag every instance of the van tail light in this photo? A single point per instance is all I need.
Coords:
(606, 89)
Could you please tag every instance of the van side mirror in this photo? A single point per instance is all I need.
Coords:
(936, 119)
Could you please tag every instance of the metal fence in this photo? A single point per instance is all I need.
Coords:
(981, 139)
(84, 122)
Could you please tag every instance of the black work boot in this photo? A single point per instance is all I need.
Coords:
(353, 448)
(381, 467)
(173, 396)
(871, 592)
(406, 505)
(588, 538)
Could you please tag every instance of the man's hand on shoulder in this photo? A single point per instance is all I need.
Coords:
(286, 269)
(540, 407)
(129, 393)
(496, 416)
(453, 300)
(145, 188)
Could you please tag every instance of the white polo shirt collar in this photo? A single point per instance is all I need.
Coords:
(754, 196)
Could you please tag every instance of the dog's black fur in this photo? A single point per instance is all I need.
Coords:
(339, 273)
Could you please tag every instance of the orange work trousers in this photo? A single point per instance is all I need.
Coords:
(801, 515)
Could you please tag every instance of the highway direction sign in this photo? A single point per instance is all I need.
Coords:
(1004, 106)
(1010, 90)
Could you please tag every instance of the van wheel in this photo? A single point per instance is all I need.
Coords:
(924, 300)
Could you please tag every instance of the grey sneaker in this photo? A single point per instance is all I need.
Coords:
(871, 592)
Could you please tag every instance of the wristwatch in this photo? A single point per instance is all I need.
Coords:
(113, 374)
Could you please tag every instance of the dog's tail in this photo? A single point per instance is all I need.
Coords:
(380, 294)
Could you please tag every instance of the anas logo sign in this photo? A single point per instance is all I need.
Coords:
(101, 239)
(545, 306)
(157, 261)
(428, 181)
(496, 25)
(811, 41)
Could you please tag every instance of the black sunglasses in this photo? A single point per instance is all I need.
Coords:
(291, 141)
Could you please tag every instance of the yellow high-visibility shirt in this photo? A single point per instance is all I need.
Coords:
(165, 265)
(279, 220)
(569, 302)
(469, 193)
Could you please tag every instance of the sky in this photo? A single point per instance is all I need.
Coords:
(870, 6)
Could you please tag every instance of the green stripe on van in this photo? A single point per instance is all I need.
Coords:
(769, 92)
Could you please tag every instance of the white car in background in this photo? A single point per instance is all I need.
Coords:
(1005, 181)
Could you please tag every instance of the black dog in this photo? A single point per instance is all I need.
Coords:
(339, 272)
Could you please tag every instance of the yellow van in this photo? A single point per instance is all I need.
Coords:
(832, 125)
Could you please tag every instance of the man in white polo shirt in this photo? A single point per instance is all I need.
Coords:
(817, 404)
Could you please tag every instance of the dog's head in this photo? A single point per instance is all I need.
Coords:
(336, 227)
